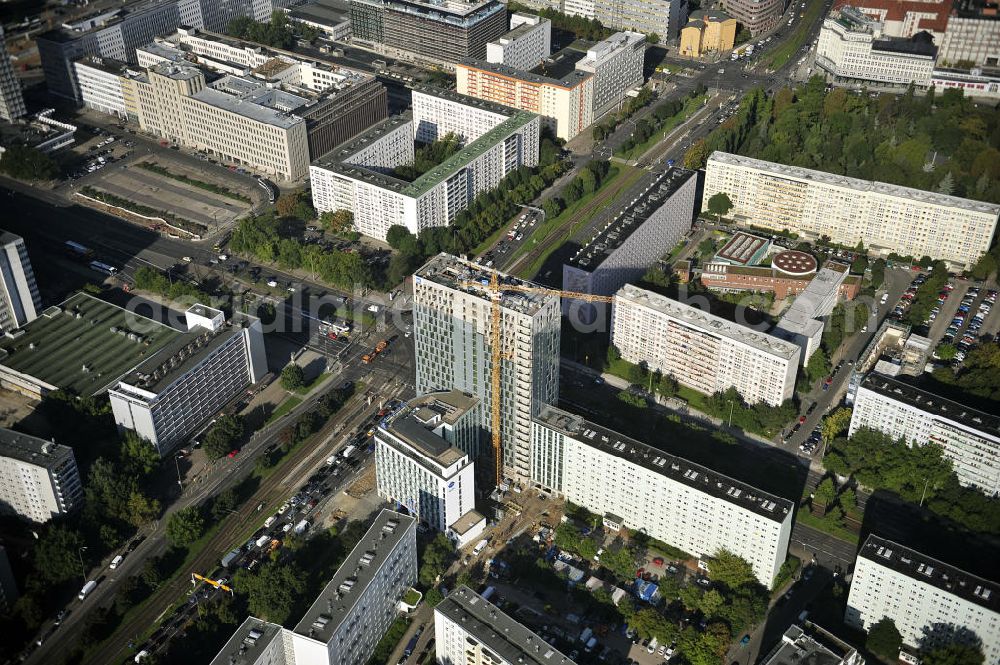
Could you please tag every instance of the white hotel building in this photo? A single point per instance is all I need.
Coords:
(970, 439)
(357, 175)
(671, 499)
(527, 44)
(470, 630)
(166, 398)
(418, 465)
(452, 329)
(887, 218)
(39, 479)
(930, 602)
(701, 350)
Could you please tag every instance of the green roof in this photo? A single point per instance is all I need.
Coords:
(466, 155)
(84, 332)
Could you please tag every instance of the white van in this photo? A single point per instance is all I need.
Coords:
(116, 562)
(87, 588)
(270, 520)
(480, 546)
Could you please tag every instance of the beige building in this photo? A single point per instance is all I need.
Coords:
(887, 218)
(701, 350)
(566, 104)
(238, 120)
(707, 32)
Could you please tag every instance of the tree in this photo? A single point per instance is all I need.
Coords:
(731, 570)
(292, 377)
(273, 590)
(620, 561)
(711, 602)
(223, 504)
(26, 163)
(985, 266)
(826, 492)
(224, 434)
(137, 454)
(835, 423)
(438, 555)
(433, 597)
(141, 509)
(955, 653)
(57, 554)
(400, 239)
(818, 366)
(185, 526)
(337, 221)
(946, 351)
(719, 204)
(667, 386)
(696, 155)
(884, 640)
(878, 273)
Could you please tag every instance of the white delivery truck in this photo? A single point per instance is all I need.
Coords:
(87, 588)
(480, 546)
(301, 527)
(263, 540)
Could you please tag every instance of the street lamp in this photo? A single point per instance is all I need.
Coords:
(177, 465)
(83, 569)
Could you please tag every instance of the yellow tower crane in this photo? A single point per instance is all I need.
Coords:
(496, 290)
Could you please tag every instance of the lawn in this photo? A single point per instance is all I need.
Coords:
(691, 106)
(632, 174)
(284, 408)
(786, 51)
(827, 526)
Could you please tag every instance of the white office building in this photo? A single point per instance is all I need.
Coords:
(527, 44)
(452, 323)
(931, 602)
(616, 64)
(166, 398)
(468, 629)
(887, 218)
(624, 249)
(358, 175)
(11, 98)
(38, 478)
(669, 498)
(100, 83)
(20, 300)
(701, 350)
(349, 616)
(418, 465)
(854, 52)
(970, 439)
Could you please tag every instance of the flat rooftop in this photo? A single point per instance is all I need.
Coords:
(808, 645)
(101, 19)
(250, 641)
(687, 473)
(558, 69)
(337, 160)
(84, 344)
(33, 450)
(497, 631)
(934, 404)
(948, 578)
(179, 356)
(252, 111)
(809, 305)
(421, 438)
(707, 322)
(743, 249)
(359, 569)
(450, 405)
(324, 12)
(833, 180)
(460, 275)
(629, 219)
(453, 12)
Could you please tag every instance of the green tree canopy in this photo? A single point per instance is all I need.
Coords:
(57, 554)
(437, 556)
(26, 163)
(955, 653)
(223, 436)
(720, 204)
(185, 526)
(884, 640)
(292, 377)
(272, 590)
(731, 570)
(138, 454)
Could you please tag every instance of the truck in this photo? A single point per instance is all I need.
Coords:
(480, 546)
(301, 527)
(349, 450)
(231, 557)
(331, 460)
(262, 541)
(87, 588)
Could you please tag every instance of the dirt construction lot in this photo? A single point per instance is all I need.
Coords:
(162, 192)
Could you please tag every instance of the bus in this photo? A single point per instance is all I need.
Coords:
(78, 251)
(103, 267)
